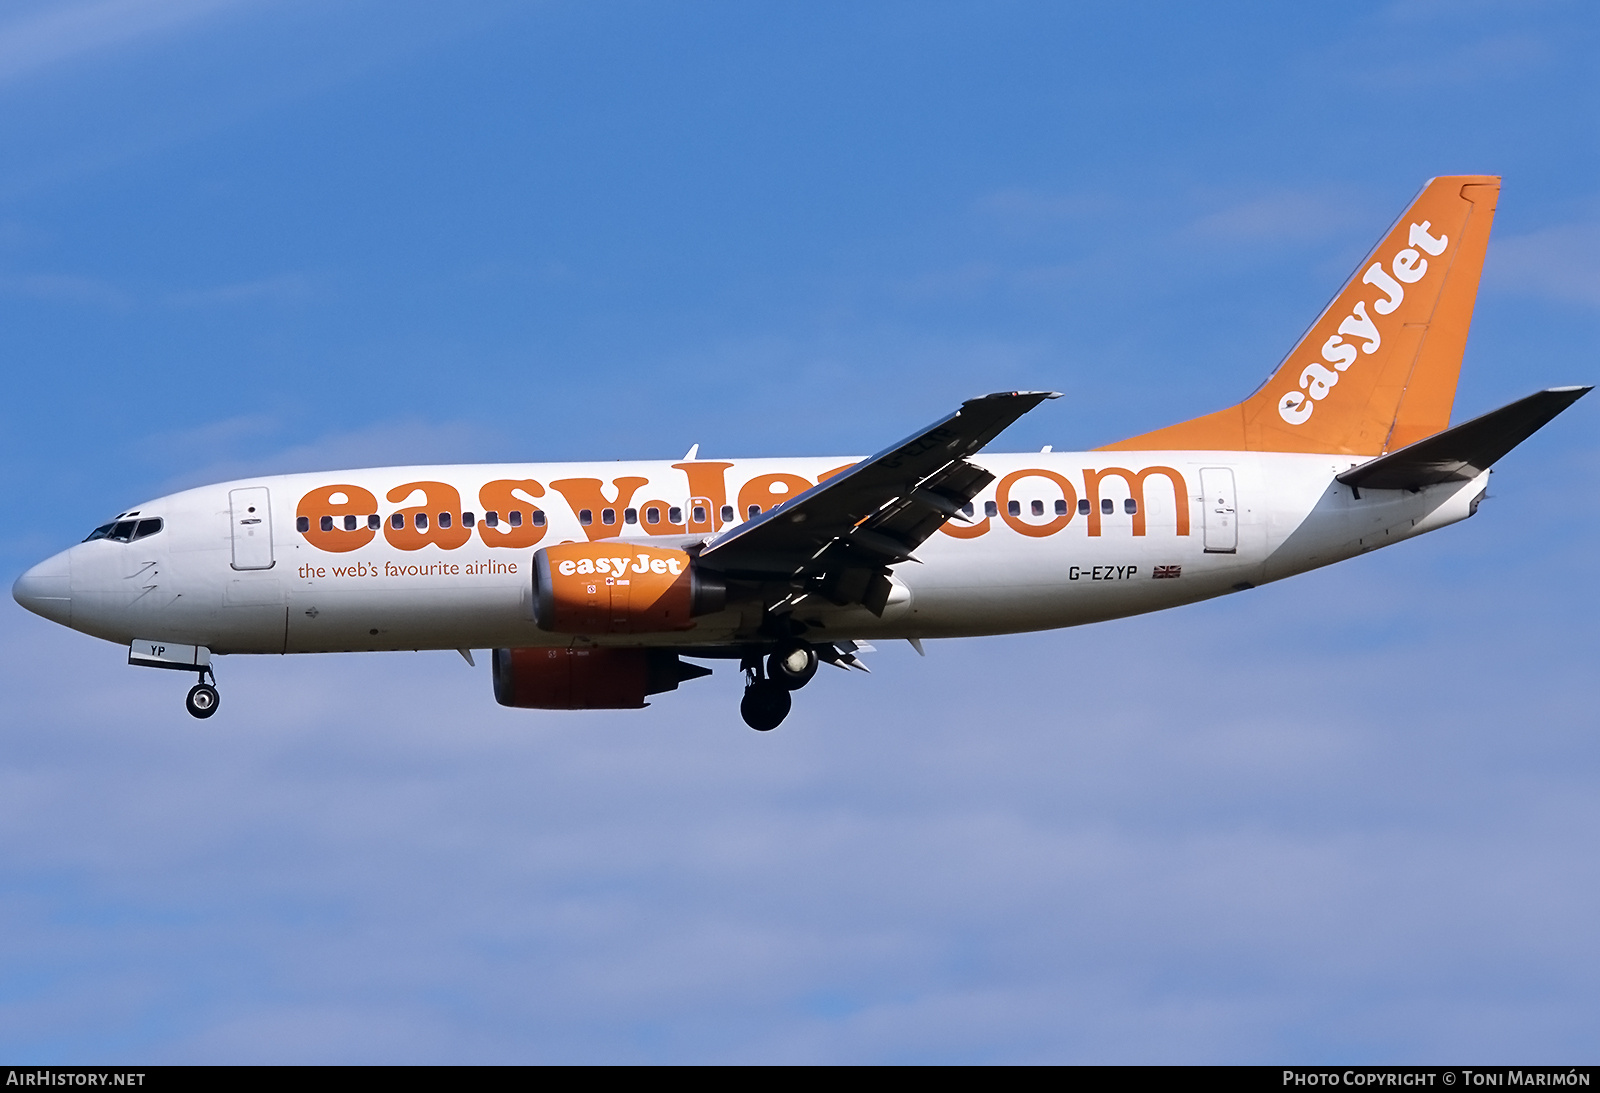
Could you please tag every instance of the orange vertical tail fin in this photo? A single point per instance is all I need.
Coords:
(1378, 369)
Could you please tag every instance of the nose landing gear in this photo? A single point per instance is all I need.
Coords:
(203, 699)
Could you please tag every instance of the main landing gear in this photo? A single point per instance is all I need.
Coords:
(203, 698)
(767, 698)
(765, 704)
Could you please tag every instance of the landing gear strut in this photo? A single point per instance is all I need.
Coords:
(203, 698)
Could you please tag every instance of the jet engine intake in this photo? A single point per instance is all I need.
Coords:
(620, 588)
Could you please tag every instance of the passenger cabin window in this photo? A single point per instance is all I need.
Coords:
(630, 516)
(1014, 508)
(468, 519)
(349, 523)
(514, 518)
(1061, 508)
(1106, 506)
(1130, 506)
(966, 510)
(1037, 508)
(674, 515)
(608, 516)
(491, 519)
(753, 512)
(727, 514)
(699, 514)
(652, 515)
(585, 517)
(444, 519)
(991, 509)
(1083, 506)
(538, 518)
(302, 523)
(398, 521)
(374, 521)
(421, 521)
(326, 523)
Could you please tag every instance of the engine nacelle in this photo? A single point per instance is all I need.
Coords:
(620, 588)
(586, 679)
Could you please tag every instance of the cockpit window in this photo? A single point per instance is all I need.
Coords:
(126, 531)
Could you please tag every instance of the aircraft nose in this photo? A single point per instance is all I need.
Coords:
(46, 589)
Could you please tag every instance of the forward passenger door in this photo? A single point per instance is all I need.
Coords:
(251, 517)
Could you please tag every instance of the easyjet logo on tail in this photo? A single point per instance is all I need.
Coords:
(1407, 267)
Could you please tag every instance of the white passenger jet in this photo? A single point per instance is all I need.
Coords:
(597, 585)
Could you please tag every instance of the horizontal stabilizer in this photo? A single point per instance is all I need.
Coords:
(1462, 453)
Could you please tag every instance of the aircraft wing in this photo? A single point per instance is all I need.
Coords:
(1461, 453)
(843, 533)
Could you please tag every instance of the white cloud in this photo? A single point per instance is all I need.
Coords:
(1455, 11)
(840, 396)
(400, 442)
(1289, 216)
(1021, 210)
(1559, 263)
(1497, 57)
(284, 288)
(100, 293)
(67, 288)
(55, 33)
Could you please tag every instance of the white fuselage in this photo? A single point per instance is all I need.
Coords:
(1203, 524)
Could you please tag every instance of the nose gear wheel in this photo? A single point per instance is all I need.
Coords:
(203, 700)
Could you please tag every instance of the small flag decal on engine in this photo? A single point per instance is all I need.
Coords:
(1167, 571)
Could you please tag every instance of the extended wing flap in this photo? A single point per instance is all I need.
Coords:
(912, 517)
(877, 512)
(1461, 453)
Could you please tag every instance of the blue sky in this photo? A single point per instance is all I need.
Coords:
(1349, 817)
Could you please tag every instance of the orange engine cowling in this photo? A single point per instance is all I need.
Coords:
(620, 588)
(587, 679)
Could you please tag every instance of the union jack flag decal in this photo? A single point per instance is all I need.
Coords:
(1167, 571)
